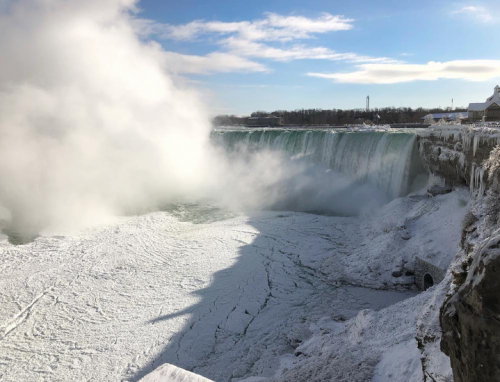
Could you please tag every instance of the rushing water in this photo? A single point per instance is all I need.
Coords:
(386, 159)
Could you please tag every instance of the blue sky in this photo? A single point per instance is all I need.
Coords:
(277, 54)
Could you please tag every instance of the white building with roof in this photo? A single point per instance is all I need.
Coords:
(448, 117)
(489, 110)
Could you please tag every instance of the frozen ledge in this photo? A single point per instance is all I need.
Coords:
(171, 373)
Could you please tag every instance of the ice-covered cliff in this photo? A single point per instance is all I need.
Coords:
(461, 319)
(456, 153)
(470, 316)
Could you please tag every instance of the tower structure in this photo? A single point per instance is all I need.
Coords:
(368, 103)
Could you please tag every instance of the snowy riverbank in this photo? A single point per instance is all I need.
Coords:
(227, 299)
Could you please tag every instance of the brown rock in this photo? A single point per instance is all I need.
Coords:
(471, 328)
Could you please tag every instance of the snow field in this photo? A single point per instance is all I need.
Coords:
(271, 295)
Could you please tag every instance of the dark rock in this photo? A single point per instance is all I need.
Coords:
(439, 190)
(471, 327)
(397, 274)
(339, 317)
(470, 317)
(405, 235)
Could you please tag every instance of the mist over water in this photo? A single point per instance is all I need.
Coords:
(93, 125)
(328, 171)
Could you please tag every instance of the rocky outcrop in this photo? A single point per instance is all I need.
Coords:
(471, 326)
(470, 316)
(463, 316)
(456, 153)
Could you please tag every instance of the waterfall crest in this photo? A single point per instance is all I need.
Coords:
(388, 160)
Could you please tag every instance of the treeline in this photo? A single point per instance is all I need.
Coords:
(386, 115)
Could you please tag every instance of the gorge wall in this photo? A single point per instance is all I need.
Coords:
(456, 153)
(468, 302)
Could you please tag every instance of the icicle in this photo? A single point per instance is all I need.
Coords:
(421, 148)
(461, 160)
(471, 182)
(480, 178)
(475, 145)
(477, 180)
(466, 141)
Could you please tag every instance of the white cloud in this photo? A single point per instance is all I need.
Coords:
(478, 12)
(211, 63)
(248, 48)
(470, 70)
(269, 38)
(273, 27)
(260, 86)
(246, 38)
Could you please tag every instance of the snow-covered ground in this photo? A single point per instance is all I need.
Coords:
(269, 294)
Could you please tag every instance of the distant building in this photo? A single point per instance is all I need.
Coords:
(448, 117)
(489, 110)
(270, 121)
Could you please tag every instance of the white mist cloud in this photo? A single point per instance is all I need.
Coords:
(91, 124)
(470, 70)
(266, 179)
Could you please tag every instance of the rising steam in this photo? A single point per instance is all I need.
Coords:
(91, 124)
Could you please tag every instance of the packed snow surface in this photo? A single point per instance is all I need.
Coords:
(226, 297)
(171, 373)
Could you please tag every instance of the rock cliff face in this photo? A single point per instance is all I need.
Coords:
(470, 316)
(464, 319)
(456, 153)
(471, 324)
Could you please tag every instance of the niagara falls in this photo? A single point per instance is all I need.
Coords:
(216, 191)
